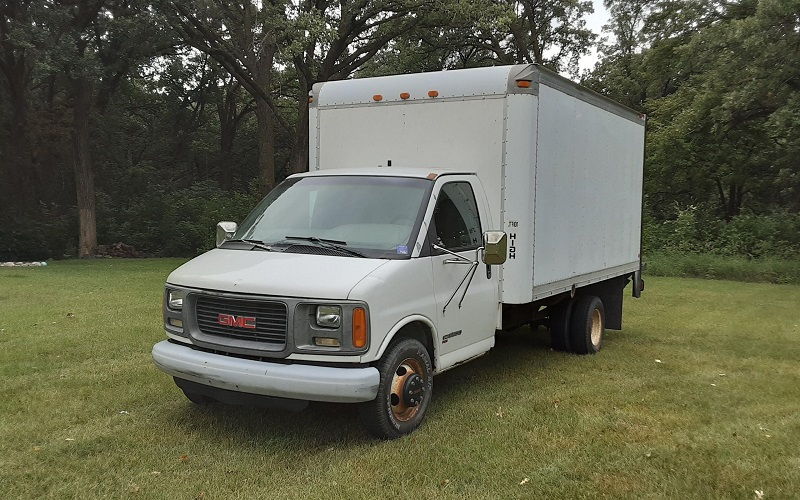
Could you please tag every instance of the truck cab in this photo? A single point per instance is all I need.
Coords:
(358, 281)
(321, 265)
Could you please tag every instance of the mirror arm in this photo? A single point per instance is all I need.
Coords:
(469, 282)
(467, 277)
(459, 257)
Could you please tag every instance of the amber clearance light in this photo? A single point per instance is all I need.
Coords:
(523, 84)
(359, 327)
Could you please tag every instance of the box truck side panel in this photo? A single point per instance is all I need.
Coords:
(587, 213)
(464, 134)
(518, 196)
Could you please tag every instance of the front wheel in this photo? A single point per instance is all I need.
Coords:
(404, 391)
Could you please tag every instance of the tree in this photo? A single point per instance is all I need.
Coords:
(96, 44)
(548, 32)
(243, 37)
(620, 74)
(728, 133)
(20, 43)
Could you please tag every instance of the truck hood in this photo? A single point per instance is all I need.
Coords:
(274, 273)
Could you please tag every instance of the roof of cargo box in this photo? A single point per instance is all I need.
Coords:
(456, 84)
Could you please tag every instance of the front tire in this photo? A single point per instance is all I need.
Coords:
(198, 399)
(195, 397)
(404, 391)
(587, 325)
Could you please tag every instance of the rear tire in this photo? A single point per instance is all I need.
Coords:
(559, 325)
(404, 391)
(587, 325)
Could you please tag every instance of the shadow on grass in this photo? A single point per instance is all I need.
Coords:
(515, 355)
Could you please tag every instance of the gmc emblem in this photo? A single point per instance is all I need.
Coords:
(236, 321)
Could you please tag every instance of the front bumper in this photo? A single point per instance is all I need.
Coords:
(294, 381)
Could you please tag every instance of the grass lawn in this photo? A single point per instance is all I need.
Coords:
(84, 413)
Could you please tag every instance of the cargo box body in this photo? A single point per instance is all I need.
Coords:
(561, 166)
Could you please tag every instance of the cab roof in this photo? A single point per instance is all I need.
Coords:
(421, 173)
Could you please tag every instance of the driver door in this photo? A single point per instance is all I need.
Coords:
(466, 296)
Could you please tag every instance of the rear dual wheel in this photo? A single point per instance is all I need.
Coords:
(578, 324)
(404, 391)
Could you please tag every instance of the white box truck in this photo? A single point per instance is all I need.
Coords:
(439, 208)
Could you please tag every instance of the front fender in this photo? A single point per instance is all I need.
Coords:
(408, 320)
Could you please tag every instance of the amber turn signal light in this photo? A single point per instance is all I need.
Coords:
(359, 327)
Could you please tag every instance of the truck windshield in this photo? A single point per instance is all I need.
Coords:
(376, 216)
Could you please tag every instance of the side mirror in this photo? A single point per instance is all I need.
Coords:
(495, 248)
(225, 230)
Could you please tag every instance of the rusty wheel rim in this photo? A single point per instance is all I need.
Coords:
(401, 410)
(597, 327)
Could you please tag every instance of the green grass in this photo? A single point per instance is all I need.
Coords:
(767, 270)
(75, 342)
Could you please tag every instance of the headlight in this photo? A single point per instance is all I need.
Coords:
(329, 316)
(175, 299)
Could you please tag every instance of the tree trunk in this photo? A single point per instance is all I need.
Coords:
(226, 136)
(82, 164)
(735, 195)
(229, 118)
(266, 144)
(20, 168)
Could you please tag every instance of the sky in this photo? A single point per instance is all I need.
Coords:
(595, 23)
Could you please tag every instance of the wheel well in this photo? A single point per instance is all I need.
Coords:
(420, 332)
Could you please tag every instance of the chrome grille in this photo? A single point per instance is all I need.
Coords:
(270, 318)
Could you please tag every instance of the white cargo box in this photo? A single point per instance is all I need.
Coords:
(561, 165)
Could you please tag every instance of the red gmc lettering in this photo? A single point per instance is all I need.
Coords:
(238, 322)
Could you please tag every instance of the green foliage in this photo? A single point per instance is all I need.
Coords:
(157, 222)
(176, 223)
(696, 230)
(191, 107)
(710, 266)
(721, 84)
(50, 234)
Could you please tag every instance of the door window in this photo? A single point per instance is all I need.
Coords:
(456, 219)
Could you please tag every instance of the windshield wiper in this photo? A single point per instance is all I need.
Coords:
(256, 244)
(326, 243)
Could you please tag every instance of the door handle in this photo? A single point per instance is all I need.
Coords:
(458, 261)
